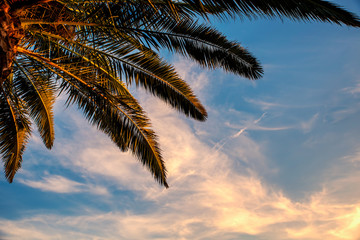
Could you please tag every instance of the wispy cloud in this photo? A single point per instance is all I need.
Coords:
(307, 126)
(253, 125)
(354, 90)
(266, 105)
(197, 79)
(60, 184)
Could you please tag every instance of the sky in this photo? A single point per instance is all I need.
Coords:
(278, 158)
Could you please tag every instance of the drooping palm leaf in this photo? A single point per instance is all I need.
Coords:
(119, 116)
(39, 95)
(14, 129)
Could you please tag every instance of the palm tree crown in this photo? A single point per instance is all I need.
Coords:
(91, 50)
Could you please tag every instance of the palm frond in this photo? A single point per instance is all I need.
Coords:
(200, 42)
(306, 10)
(14, 129)
(204, 45)
(146, 70)
(120, 117)
(38, 92)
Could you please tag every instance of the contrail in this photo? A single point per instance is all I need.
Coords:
(243, 129)
(219, 145)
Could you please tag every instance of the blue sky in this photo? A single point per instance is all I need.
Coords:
(278, 158)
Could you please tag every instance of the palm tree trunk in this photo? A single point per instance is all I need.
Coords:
(11, 31)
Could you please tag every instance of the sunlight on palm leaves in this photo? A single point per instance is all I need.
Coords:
(91, 50)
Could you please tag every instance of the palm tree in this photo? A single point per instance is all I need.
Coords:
(91, 50)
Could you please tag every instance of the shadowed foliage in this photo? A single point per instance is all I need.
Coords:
(92, 50)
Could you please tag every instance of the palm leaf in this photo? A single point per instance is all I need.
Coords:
(146, 70)
(14, 129)
(306, 10)
(38, 93)
(120, 117)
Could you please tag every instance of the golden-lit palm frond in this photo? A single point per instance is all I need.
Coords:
(38, 93)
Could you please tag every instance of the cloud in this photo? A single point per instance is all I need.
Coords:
(265, 105)
(307, 126)
(253, 125)
(197, 79)
(60, 184)
(218, 203)
(354, 90)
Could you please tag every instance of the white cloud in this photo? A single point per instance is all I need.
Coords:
(55, 183)
(208, 205)
(253, 125)
(60, 184)
(265, 105)
(198, 80)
